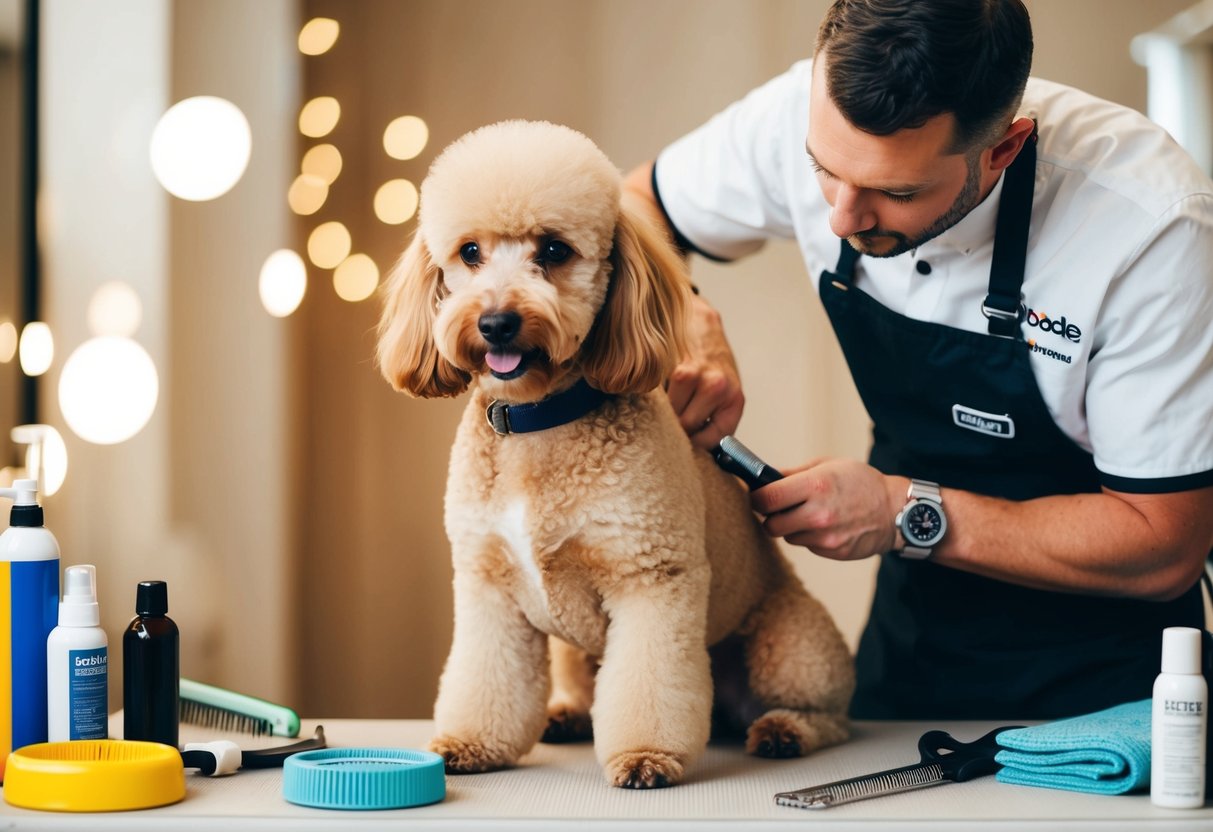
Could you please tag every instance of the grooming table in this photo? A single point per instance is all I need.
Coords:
(562, 787)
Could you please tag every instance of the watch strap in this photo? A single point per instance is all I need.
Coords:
(924, 490)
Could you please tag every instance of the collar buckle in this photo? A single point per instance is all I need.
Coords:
(498, 416)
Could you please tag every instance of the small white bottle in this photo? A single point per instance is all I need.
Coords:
(77, 663)
(1178, 720)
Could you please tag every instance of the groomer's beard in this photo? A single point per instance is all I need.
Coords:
(965, 202)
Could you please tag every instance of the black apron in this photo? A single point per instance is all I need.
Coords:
(945, 644)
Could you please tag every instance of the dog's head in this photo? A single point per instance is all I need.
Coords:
(527, 272)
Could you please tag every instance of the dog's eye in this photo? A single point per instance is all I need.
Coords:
(554, 252)
(469, 253)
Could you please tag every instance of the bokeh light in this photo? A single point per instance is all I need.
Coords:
(283, 282)
(36, 348)
(8, 341)
(405, 137)
(328, 245)
(356, 278)
(323, 161)
(318, 35)
(108, 390)
(319, 116)
(115, 309)
(307, 194)
(396, 201)
(201, 147)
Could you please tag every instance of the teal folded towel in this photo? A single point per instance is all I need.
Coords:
(1107, 752)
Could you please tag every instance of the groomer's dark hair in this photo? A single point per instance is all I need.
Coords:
(893, 64)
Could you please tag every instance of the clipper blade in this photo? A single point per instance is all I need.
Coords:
(739, 460)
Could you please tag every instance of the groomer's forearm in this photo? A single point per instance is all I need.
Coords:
(1143, 546)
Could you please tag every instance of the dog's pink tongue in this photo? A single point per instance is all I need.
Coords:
(503, 362)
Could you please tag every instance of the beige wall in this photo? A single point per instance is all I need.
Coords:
(290, 498)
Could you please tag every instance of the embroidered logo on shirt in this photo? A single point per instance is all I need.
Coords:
(1058, 326)
(993, 424)
(1054, 354)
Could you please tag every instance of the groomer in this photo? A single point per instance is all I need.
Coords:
(1021, 279)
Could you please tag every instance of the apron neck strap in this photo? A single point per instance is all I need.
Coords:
(1002, 303)
(845, 270)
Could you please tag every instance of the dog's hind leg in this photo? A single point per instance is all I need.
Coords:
(653, 694)
(572, 693)
(800, 669)
(490, 707)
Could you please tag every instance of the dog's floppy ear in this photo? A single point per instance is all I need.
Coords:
(407, 356)
(641, 330)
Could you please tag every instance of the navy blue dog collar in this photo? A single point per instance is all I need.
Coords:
(559, 409)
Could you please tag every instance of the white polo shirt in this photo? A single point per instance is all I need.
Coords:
(1119, 275)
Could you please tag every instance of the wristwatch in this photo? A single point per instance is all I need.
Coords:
(922, 522)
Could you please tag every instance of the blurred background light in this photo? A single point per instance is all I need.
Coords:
(319, 116)
(8, 341)
(115, 309)
(37, 348)
(200, 148)
(323, 161)
(356, 278)
(283, 282)
(108, 389)
(405, 137)
(307, 194)
(396, 201)
(328, 245)
(318, 35)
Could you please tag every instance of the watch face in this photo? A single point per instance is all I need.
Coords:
(923, 524)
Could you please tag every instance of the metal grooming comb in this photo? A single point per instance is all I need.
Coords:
(944, 760)
(740, 461)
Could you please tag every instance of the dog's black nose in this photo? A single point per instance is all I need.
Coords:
(499, 328)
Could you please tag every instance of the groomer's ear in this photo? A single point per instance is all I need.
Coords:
(407, 356)
(1007, 148)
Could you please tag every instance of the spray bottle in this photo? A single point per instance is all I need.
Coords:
(77, 663)
(29, 606)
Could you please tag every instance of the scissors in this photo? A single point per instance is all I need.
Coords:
(944, 760)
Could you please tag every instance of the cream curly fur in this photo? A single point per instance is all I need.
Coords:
(634, 553)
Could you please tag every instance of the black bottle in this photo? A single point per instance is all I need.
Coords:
(151, 667)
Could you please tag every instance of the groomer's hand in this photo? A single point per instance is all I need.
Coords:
(842, 509)
(705, 388)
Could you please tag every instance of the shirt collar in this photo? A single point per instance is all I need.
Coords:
(977, 226)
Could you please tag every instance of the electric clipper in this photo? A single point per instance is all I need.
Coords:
(740, 461)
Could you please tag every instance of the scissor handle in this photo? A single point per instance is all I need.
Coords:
(961, 761)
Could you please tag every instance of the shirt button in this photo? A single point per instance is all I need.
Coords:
(923, 267)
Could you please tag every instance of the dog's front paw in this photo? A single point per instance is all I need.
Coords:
(566, 725)
(644, 769)
(468, 757)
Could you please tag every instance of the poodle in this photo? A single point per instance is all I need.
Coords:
(609, 578)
